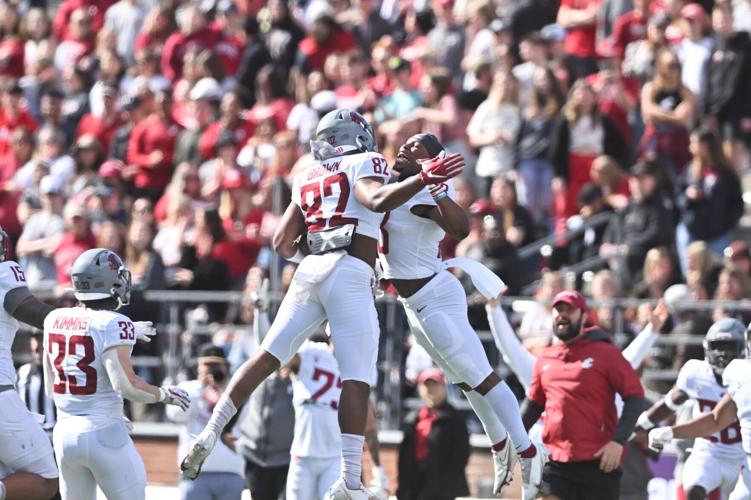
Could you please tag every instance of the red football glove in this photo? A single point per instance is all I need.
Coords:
(439, 169)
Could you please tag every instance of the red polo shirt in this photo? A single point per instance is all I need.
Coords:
(577, 384)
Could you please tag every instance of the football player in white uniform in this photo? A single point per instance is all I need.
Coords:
(316, 387)
(26, 458)
(88, 371)
(717, 455)
(334, 217)
(436, 307)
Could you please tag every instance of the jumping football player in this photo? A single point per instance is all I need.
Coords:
(436, 307)
(88, 372)
(717, 454)
(331, 228)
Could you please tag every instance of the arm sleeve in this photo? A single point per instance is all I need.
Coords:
(521, 361)
(531, 413)
(120, 381)
(637, 350)
(632, 408)
(622, 377)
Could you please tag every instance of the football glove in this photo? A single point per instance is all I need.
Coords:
(659, 437)
(144, 331)
(440, 169)
(173, 395)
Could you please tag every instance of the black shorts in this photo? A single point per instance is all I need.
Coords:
(580, 481)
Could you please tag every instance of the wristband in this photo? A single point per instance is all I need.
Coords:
(440, 196)
(162, 394)
(645, 422)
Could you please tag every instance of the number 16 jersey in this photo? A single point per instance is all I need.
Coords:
(325, 192)
(75, 339)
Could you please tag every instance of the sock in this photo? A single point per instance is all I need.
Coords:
(493, 427)
(352, 445)
(529, 452)
(506, 407)
(499, 446)
(223, 413)
(2, 490)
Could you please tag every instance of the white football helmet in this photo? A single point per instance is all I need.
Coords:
(98, 274)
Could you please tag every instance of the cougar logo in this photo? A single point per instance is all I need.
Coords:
(113, 262)
(588, 362)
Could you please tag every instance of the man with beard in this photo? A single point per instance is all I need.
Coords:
(575, 382)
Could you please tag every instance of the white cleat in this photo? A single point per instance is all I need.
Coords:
(532, 471)
(339, 491)
(377, 493)
(503, 463)
(197, 453)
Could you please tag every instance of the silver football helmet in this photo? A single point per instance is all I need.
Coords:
(724, 342)
(4, 245)
(100, 274)
(343, 128)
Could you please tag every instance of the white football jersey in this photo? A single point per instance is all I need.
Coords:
(315, 396)
(325, 192)
(697, 379)
(408, 246)
(736, 378)
(74, 340)
(11, 276)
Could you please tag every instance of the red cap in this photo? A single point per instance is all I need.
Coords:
(571, 297)
(694, 11)
(234, 178)
(111, 168)
(433, 374)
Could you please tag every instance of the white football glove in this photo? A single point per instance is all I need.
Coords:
(173, 395)
(144, 331)
(659, 437)
(199, 449)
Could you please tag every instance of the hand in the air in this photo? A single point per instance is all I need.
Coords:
(440, 169)
(144, 331)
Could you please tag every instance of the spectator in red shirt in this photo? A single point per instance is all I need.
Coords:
(193, 35)
(61, 28)
(230, 120)
(326, 37)
(631, 26)
(12, 115)
(79, 43)
(76, 240)
(157, 27)
(575, 382)
(151, 147)
(11, 42)
(272, 100)
(102, 126)
(579, 17)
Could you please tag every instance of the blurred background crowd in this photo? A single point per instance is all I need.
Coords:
(607, 143)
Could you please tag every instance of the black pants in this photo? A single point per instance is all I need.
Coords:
(580, 481)
(266, 483)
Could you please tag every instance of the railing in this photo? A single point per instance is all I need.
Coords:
(392, 406)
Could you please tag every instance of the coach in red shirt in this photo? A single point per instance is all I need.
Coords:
(575, 382)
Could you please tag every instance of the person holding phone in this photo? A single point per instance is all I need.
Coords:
(223, 472)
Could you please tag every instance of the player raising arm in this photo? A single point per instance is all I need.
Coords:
(735, 406)
(331, 228)
(436, 307)
(88, 371)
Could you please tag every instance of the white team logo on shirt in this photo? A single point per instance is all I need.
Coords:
(588, 363)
